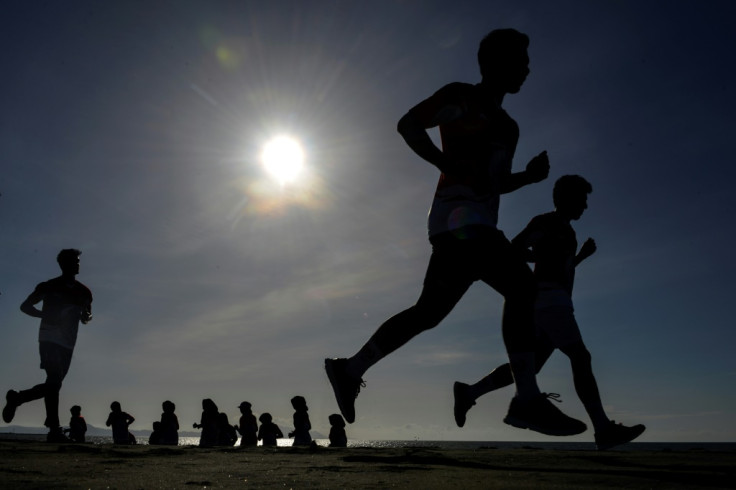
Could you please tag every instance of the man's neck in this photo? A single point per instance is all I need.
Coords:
(492, 96)
(562, 216)
(68, 277)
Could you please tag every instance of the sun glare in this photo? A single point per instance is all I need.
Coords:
(283, 159)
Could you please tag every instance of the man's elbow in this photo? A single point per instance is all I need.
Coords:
(406, 125)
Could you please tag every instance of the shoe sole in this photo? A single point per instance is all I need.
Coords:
(604, 447)
(333, 382)
(550, 431)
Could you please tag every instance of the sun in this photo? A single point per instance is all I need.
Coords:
(283, 159)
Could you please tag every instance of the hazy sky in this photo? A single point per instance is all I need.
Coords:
(133, 131)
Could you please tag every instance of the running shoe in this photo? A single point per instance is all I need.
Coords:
(346, 387)
(615, 434)
(538, 414)
(463, 402)
(55, 435)
(11, 403)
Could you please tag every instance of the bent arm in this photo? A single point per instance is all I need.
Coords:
(536, 171)
(414, 132)
(443, 107)
(28, 306)
(588, 249)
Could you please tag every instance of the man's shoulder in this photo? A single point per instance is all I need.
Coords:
(48, 285)
(83, 288)
(544, 219)
(456, 91)
(551, 224)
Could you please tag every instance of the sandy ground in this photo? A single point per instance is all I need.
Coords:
(32, 464)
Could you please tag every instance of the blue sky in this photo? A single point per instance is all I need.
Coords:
(132, 130)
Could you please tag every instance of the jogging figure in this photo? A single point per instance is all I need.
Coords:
(478, 143)
(550, 242)
(66, 301)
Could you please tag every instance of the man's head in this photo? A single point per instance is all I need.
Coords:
(68, 260)
(503, 59)
(570, 196)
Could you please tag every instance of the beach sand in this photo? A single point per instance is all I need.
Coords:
(33, 464)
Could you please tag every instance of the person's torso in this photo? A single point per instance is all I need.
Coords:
(483, 141)
(63, 303)
(554, 253)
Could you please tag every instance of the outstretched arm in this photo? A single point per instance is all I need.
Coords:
(586, 251)
(536, 171)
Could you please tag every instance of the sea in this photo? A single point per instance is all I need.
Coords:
(392, 444)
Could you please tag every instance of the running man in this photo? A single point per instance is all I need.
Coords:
(66, 301)
(478, 143)
(550, 242)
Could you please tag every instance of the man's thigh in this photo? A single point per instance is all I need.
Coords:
(558, 325)
(449, 275)
(55, 360)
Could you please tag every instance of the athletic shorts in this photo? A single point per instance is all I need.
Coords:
(557, 325)
(55, 358)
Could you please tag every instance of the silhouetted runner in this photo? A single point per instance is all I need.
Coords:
(550, 242)
(478, 143)
(66, 302)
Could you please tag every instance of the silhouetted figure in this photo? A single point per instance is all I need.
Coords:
(169, 424)
(248, 427)
(156, 436)
(77, 425)
(302, 425)
(66, 302)
(208, 423)
(478, 143)
(269, 432)
(338, 437)
(120, 421)
(226, 435)
(550, 242)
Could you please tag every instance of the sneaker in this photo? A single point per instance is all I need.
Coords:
(56, 435)
(11, 403)
(615, 434)
(346, 387)
(463, 402)
(538, 414)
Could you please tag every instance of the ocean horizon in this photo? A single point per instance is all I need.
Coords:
(142, 439)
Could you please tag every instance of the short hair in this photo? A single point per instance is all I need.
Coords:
(497, 45)
(568, 185)
(67, 255)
